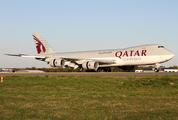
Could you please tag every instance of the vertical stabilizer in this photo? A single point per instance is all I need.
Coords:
(41, 45)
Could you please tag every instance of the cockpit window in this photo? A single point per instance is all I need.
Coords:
(160, 46)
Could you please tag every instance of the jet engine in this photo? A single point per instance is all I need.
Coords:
(57, 62)
(127, 67)
(90, 65)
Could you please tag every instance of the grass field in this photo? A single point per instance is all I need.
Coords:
(89, 97)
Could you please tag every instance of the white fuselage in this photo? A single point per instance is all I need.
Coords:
(139, 55)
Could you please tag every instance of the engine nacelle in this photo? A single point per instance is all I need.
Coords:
(57, 63)
(127, 67)
(90, 65)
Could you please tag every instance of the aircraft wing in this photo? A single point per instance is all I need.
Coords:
(66, 58)
(97, 60)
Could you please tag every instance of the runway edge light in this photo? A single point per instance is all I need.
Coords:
(1, 78)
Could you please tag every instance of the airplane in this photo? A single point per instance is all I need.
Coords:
(98, 60)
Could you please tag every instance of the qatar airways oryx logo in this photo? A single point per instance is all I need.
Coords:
(131, 53)
(39, 46)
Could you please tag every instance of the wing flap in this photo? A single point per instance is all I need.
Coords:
(106, 61)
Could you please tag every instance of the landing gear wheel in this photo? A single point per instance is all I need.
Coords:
(98, 70)
(156, 70)
(157, 67)
(82, 70)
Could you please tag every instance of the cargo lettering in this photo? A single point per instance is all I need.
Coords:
(130, 53)
(132, 58)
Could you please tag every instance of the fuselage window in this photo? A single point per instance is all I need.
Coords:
(160, 46)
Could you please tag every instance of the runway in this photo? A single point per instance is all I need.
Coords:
(89, 74)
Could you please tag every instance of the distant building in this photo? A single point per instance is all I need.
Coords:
(1, 70)
(30, 71)
(151, 70)
(5, 70)
(170, 70)
(139, 71)
(160, 70)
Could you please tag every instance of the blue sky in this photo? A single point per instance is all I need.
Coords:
(79, 25)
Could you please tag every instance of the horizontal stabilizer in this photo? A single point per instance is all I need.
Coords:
(24, 55)
(18, 55)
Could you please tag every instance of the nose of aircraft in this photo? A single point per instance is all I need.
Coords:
(170, 55)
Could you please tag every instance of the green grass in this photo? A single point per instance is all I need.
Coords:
(89, 97)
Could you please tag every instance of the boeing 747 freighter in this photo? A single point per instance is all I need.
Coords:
(125, 59)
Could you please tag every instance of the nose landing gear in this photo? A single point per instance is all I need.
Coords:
(157, 67)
